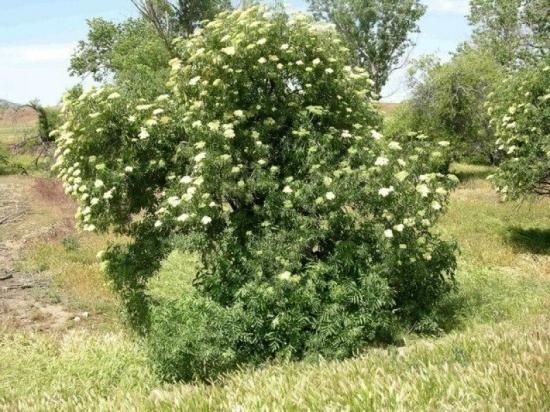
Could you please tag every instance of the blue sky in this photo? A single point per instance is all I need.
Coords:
(37, 38)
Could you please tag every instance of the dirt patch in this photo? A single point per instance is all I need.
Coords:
(24, 304)
(12, 207)
(31, 210)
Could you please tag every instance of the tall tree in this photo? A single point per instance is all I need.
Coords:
(138, 50)
(130, 51)
(48, 120)
(172, 18)
(447, 100)
(377, 31)
(161, 15)
(512, 30)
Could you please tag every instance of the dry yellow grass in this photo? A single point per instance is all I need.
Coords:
(16, 124)
(46, 232)
(387, 108)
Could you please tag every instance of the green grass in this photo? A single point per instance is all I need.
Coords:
(26, 162)
(35, 366)
(494, 354)
(467, 172)
(175, 277)
(491, 233)
(499, 367)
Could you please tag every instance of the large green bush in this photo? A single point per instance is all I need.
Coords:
(313, 231)
(520, 114)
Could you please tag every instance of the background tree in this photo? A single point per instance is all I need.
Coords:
(127, 52)
(48, 121)
(137, 51)
(377, 31)
(447, 100)
(189, 13)
(162, 16)
(512, 30)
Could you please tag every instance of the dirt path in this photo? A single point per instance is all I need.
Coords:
(31, 209)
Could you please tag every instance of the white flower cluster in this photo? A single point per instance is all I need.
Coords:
(92, 182)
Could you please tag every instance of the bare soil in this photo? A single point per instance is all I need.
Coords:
(31, 209)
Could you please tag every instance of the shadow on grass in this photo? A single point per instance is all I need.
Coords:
(532, 240)
(488, 297)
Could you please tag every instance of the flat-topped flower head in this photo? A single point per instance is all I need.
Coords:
(286, 275)
(174, 201)
(385, 191)
(200, 157)
(229, 133)
(143, 134)
(183, 217)
(230, 51)
(381, 161)
(376, 135)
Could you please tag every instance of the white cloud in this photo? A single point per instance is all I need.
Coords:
(35, 53)
(449, 6)
(30, 71)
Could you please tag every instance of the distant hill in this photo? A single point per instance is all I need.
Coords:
(15, 118)
(4, 104)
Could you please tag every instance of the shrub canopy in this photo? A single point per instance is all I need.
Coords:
(520, 114)
(313, 231)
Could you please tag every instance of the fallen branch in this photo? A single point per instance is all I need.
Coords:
(9, 218)
(13, 287)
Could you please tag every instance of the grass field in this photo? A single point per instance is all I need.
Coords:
(494, 354)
